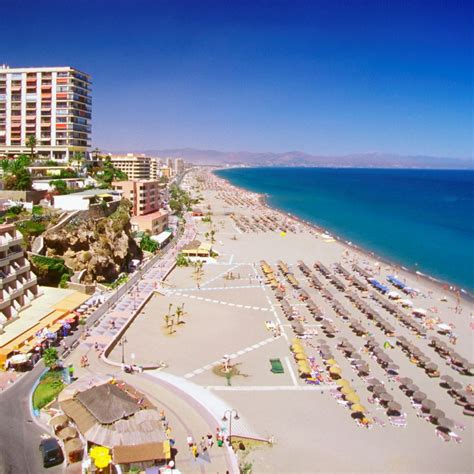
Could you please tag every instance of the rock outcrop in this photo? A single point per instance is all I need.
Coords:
(103, 248)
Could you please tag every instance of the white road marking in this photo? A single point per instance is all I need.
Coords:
(271, 388)
(290, 369)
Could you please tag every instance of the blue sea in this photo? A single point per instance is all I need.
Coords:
(421, 219)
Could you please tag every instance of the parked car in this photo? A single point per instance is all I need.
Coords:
(51, 452)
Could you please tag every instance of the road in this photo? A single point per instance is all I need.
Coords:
(19, 434)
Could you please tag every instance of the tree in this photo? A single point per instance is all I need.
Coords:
(31, 143)
(59, 185)
(148, 244)
(77, 158)
(17, 176)
(50, 357)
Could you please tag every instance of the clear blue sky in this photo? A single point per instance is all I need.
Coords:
(325, 77)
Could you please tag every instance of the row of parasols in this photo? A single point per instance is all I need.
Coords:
(456, 361)
(288, 274)
(418, 357)
(426, 407)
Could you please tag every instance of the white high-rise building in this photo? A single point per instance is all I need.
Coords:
(53, 104)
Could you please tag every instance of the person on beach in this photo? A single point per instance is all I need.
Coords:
(210, 440)
(194, 450)
(203, 445)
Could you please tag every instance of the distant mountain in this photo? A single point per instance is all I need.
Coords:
(298, 158)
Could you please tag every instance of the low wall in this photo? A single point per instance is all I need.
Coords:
(25, 196)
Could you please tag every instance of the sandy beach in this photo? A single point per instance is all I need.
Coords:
(255, 301)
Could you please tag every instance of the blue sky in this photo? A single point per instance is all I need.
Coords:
(324, 77)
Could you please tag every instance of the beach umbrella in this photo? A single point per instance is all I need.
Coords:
(432, 367)
(447, 379)
(437, 414)
(342, 383)
(406, 381)
(394, 406)
(331, 362)
(352, 398)
(347, 390)
(418, 396)
(300, 356)
(358, 408)
(374, 381)
(335, 370)
(378, 389)
(445, 423)
(411, 387)
(386, 397)
(456, 386)
(428, 405)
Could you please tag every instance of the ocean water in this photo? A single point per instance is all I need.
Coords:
(422, 219)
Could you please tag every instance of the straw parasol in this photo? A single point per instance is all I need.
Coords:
(411, 387)
(352, 398)
(386, 397)
(378, 389)
(437, 414)
(373, 381)
(394, 406)
(336, 370)
(347, 390)
(445, 423)
(428, 405)
(419, 396)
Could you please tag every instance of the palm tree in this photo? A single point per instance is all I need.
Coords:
(31, 142)
(171, 326)
(167, 319)
(179, 313)
(77, 158)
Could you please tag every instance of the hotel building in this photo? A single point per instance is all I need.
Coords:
(18, 286)
(143, 194)
(145, 198)
(53, 104)
(135, 166)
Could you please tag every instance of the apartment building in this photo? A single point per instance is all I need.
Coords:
(135, 166)
(178, 166)
(53, 104)
(143, 194)
(18, 285)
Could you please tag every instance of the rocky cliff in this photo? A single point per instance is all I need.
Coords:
(102, 247)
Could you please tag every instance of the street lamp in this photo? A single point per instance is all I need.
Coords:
(228, 416)
(122, 343)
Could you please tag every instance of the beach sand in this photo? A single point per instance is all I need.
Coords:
(312, 432)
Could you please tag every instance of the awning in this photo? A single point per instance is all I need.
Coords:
(139, 453)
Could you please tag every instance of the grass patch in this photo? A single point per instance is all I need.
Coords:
(51, 384)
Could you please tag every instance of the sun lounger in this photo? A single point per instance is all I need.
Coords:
(277, 366)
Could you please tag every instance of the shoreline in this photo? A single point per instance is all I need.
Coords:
(440, 284)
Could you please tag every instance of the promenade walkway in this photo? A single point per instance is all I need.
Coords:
(187, 415)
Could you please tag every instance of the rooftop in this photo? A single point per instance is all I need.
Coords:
(108, 403)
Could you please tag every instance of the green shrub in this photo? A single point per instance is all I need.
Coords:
(50, 270)
(51, 384)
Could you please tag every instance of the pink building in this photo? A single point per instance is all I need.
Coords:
(143, 194)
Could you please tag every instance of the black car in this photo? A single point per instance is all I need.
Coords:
(51, 452)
